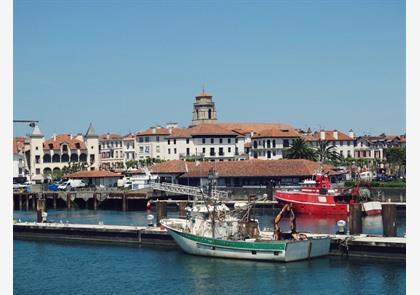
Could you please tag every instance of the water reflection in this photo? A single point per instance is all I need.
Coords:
(305, 223)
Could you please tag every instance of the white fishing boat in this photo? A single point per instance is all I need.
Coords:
(215, 231)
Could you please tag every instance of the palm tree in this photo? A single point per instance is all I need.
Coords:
(300, 149)
(326, 152)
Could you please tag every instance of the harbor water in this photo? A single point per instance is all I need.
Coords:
(77, 268)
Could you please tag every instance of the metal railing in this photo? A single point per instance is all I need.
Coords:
(186, 190)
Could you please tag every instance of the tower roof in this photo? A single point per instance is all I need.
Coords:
(90, 132)
(36, 132)
(203, 93)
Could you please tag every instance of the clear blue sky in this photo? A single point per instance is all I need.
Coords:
(128, 65)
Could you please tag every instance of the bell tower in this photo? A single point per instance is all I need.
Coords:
(204, 110)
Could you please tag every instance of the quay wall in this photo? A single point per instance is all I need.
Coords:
(347, 246)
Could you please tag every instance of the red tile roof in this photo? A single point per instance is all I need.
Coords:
(329, 136)
(64, 138)
(180, 133)
(110, 136)
(175, 166)
(253, 127)
(203, 94)
(211, 129)
(158, 131)
(246, 168)
(93, 174)
(18, 144)
(276, 132)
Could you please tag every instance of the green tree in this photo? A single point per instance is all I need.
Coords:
(396, 158)
(132, 164)
(300, 149)
(327, 153)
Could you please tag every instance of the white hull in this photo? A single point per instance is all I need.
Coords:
(282, 251)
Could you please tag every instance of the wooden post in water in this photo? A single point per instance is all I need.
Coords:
(124, 202)
(355, 219)
(55, 201)
(20, 201)
(40, 209)
(68, 200)
(161, 211)
(182, 211)
(94, 201)
(34, 202)
(27, 202)
(389, 220)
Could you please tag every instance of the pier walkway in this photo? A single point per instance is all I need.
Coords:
(342, 245)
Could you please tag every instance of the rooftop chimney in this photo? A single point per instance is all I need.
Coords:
(322, 135)
(154, 130)
(351, 133)
(335, 134)
(54, 137)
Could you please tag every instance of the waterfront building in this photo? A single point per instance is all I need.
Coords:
(252, 172)
(111, 151)
(129, 147)
(206, 142)
(373, 147)
(97, 177)
(151, 142)
(200, 142)
(343, 143)
(48, 157)
(20, 167)
(270, 143)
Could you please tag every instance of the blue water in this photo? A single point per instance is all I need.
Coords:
(75, 268)
(54, 268)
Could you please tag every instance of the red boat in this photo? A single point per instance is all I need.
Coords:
(317, 196)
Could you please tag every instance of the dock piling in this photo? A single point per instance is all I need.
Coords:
(68, 200)
(355, 219)
(55, 201)
(40, 209)
(94, 201)
(161, 211)
(124, 202)
(182, 211)
(20, 202)
(27, 202)
(389, 217)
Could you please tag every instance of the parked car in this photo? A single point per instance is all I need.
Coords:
(71, 184)
(24, 187)
(54, 186)
(384, 177)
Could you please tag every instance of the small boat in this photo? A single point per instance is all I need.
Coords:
(216, 231)
(317, 196)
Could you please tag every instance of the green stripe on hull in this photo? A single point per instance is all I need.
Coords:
(273, 246)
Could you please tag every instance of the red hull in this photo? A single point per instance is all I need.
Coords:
(312, 203)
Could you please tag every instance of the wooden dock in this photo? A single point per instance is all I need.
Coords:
(367, 246)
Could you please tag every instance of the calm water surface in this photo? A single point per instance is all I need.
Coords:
(73, 268)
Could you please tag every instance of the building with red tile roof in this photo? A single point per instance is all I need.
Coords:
(238, 173)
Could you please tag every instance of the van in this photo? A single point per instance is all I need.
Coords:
(72, 183)
(368, 175)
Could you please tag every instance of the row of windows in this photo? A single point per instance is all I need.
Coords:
(269, 143)
(110, 144)
(212, 151)
(64, 146)
(63, 158)
(173, 141)
(112, 154)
